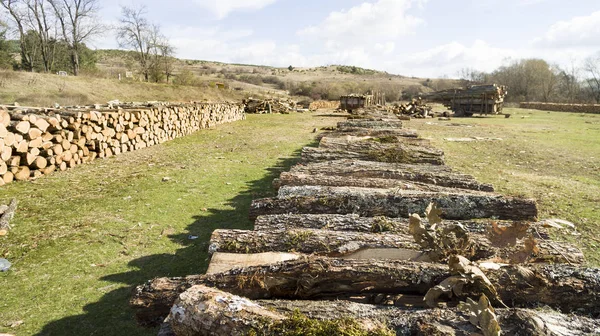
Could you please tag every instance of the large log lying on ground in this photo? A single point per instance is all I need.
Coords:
(203, 310)
(568, 288)
(430, 174)
(392, 203)
(369, 143)
(372, 132)
(302, 179)
(396, 154)
(362, 123)
(399, 246)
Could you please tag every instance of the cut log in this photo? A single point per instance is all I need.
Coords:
(3, 168)
(430, 174)
(301, 179)
(8, 177)
(34, 133)
(21, 126)
(23, 173)
(396, 154)
(22, 146)
(568, 288)
(39, 163)
(370, 124)
(380, 132)
(369, 143)
(222, 262)
(392, 203)
(399, 245)
(227, 314)
(3, 131)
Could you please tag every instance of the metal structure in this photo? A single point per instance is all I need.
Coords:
(476, 99)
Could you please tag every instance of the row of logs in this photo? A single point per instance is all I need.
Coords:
(39, 141)
(343, 239)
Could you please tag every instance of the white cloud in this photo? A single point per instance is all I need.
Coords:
(449, 58)
(382, 20)
(580, 31)
(222, 8)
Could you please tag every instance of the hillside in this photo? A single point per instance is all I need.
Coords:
(196, 80)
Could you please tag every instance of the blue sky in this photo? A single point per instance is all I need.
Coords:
(426, 38)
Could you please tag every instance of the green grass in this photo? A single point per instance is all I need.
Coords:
(82, 239)
(552, 157)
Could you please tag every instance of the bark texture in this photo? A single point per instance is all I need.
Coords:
(396, 154)
(429, 174)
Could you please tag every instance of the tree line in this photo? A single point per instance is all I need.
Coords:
(51, 36)
(538, 80)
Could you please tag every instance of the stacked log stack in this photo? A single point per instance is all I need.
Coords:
(376, 228)
(324, 104)
(39, 141)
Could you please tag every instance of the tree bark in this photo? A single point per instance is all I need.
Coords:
(379, 132)
(430, 174)
(376, 124)
(227, 314)
(369, 143)
(568, 288)
(302, 179)
(396, 154)
(391, 203)
(399, 246)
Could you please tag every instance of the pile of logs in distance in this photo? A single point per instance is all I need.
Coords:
(324, 104)
(39, 141)
(579, 108)
(373, 226)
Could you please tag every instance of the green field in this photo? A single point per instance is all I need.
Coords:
(83, 239)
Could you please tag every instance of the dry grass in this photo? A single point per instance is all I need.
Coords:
(31, 89)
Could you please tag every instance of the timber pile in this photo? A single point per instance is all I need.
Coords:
(416, 108)
(324, 104)
(578, 108)
(38, 141)
(410, 248)
(492, 91)
(268, 106)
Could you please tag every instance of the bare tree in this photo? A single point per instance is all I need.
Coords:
(135, 32)
(18, 14)
(78, 23)
(42, 23)
(592, 68)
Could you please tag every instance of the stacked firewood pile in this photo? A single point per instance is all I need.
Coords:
(269, 106)
(579, 108)
(39, 141)
(416, 108)
(324, 104)
(371, 227)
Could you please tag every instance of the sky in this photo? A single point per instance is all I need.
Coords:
(424, 38)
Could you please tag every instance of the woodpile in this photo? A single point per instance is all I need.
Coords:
(38, 141)
(416, 108)
(483, 99)
(268, 106)
(390, 247)
(576, 108)
(324, 104)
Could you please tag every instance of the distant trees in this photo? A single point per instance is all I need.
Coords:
(154, 52)
(592, 69)
(78, 23)
(50, 31)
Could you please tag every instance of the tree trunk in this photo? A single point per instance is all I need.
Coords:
(371, 132)
(396, 154)
(369, 143)
(399, 246)
(227, 314)
(430, 174)
(301, 179)
(568, 288)
(376, 124)
(392, 203)
(75, 61)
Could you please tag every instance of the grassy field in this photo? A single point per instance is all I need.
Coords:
(83, 238)
(552, 157)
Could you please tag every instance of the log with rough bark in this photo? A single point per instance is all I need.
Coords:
(430, 174)
(302, 179)
(227, 314)
(369, 143)
(369, 202)
(396, 154)
(379, 132)
(370, 124)
(384, 245)
(568, 288)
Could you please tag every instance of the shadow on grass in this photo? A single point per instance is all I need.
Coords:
(111, 315)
